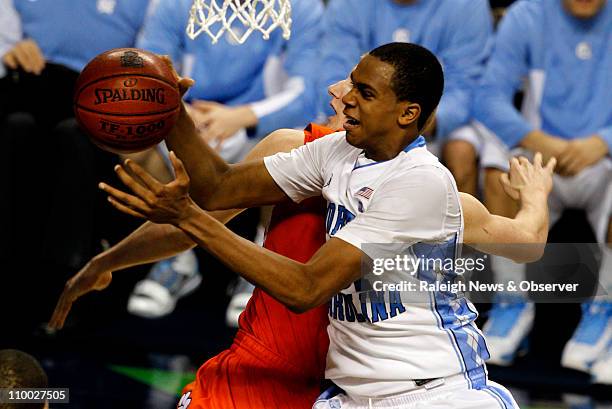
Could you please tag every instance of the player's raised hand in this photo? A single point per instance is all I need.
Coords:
(89, 278)
(160, 203)
(26, 55)
(526, 178)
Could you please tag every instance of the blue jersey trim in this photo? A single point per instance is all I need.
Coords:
(503, 395)
(417, 143)
(504, 399)
(454, 315)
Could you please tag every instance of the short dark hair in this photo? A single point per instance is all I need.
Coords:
(418, 75)
(21, 370)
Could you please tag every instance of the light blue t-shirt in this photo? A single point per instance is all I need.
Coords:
(457, 31)
(72, 32)
(567, 63)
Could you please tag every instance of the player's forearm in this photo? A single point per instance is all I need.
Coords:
(147, 244)
(532, 219)
(215, 185)
(150, 243)
(281, 277)
(203, 164)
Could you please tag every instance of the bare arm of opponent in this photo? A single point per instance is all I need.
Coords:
(522, 238)
(153, 242)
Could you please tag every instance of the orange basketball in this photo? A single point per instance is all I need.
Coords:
(127, 100)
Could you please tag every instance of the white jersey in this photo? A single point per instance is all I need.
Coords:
(378, 346)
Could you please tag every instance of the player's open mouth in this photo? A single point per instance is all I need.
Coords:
(351, 123)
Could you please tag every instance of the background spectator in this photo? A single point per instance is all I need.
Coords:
(562, 49)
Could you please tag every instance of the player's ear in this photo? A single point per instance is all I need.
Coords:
(410, 113)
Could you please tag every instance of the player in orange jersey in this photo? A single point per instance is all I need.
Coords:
(277, 359)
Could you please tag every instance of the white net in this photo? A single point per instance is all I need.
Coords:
(239, 18)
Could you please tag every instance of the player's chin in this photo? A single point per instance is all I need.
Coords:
(353, 137)
(353, 134)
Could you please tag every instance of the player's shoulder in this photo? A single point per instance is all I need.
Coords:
(424, 168)
(333, 140)
(334, 148)
(284, 140)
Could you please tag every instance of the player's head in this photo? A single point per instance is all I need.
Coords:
(21, 370)
(396, 88)
(583, 9)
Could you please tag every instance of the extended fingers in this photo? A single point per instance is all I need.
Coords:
(537, 160)
(517, 167)
(550, 166)
(150, 182)
(179, 169)
(508, 187)
(524, 162)
(136, 187)
(125, 209)
(127, 200)
(61, 311)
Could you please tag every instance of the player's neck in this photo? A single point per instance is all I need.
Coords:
(390, 148)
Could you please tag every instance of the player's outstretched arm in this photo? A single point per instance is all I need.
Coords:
(153, 242)
(299, 286)
(522, 238)
(215, 184)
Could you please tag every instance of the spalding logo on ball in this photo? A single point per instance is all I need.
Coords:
(127, 100)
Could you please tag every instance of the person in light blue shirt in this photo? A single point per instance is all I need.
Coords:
(46, 43)
(457, 31)
(245, 89)
(562, 51)
(68, 32)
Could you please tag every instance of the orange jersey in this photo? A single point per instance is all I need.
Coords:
(277, 359)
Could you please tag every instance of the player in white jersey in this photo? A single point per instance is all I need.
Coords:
(382, 187)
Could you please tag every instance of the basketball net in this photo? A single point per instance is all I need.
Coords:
(239, 18)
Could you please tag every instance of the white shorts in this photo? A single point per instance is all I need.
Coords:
(491, 152)
(453, 394)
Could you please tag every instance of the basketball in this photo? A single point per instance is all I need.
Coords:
(127, 100)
